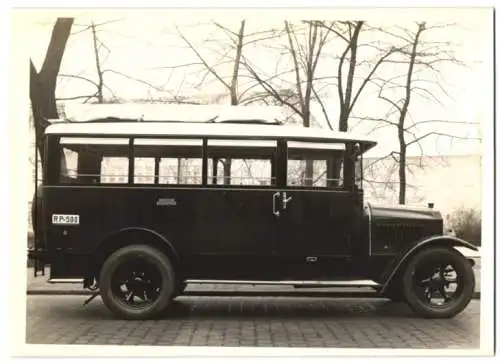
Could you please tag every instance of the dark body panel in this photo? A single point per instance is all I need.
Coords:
(321, 234)
(201, 225)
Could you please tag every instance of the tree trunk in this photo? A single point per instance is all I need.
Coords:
(402, 171)
(233, 91)
(402, 118)
(37, 109)
(227, 171)
(100, 85)
(43, 84)
(180, 171)
(309, 168)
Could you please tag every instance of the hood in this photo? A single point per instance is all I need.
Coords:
(382, 212)
(394, 227)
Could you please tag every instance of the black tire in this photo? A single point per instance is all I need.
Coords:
(412, 281)
(154, 265)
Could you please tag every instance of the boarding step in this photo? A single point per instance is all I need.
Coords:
(295, 284)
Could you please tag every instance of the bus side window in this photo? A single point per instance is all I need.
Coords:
(68, 166)
(167, 161)
(114, 170)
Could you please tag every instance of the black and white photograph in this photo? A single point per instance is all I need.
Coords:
(282, 181)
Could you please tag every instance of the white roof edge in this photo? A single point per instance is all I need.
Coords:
(201, 129)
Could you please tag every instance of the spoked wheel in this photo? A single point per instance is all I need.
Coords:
(438, 283)
(136, 282)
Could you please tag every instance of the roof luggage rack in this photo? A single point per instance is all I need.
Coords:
(114, 119)
(252, 121)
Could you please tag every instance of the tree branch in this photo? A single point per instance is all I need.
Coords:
(258, 84)
(439, 134)
(80, 78)
(367, 79)
(177, 66)
(133, 79)
(296, 64)
(323, 109)
(76, 97)
(271, 89)
(442, 121)
(210, 69)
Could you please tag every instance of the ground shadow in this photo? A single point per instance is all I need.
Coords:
(255, 308)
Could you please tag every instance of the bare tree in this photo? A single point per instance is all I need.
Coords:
(43, 83)
(350, 32)
(237, 43)
(98, 47)
(305, 55)
(417, 55)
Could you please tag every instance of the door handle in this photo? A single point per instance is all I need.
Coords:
(285, 200)
(275, 211)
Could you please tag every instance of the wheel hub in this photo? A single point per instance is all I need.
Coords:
(137, 284)
(434, 284)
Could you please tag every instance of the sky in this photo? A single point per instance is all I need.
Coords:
(142, 44)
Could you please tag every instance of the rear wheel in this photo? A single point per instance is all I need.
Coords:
(137, 282)
(438, 283)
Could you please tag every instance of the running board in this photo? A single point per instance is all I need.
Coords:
(296, 284)
(65, 280)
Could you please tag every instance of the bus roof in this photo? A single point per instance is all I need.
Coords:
(228, 129)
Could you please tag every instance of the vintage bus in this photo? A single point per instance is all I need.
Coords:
(136, 210)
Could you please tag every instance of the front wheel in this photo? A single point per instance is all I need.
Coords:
(438, 283)
(137, 282)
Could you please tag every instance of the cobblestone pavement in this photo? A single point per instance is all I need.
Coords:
(251, 322)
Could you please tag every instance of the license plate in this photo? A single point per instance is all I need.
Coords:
(60, 219)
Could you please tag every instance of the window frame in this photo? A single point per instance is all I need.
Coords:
(279, 161)
(54, 147)
(156, 180)
(342, 146)
(243, 153)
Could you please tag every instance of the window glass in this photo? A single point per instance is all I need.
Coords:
(242, 172)
(241, 162)
(307, 172)
(315, 164)
(171, 161)
(93, 160)
(114, 170)
(69, 166)
(144, 170)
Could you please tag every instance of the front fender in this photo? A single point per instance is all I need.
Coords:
(405, 255)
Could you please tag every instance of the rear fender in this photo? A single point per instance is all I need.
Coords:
(132, 235)
(406, 255)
